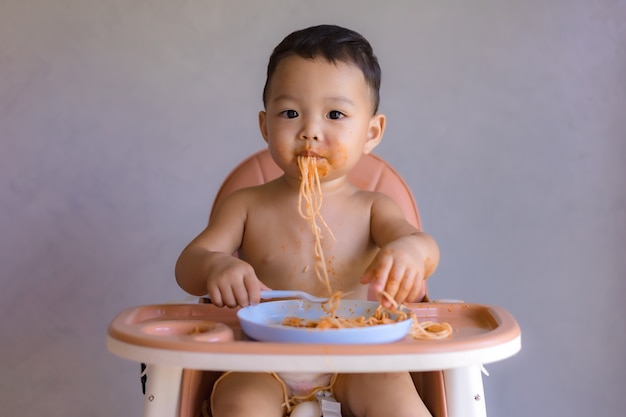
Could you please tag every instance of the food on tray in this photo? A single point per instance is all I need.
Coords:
(425, 330)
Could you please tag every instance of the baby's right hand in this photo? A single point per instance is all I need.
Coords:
(232, 282)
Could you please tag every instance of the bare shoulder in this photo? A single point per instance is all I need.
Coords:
(385, 210)
(379, 202)
(244, 198)
(230, 218)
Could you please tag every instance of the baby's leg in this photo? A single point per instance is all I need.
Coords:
(247, 394)
(379, 395)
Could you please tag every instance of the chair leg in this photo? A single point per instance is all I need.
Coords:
(162, 391)
(465, 396)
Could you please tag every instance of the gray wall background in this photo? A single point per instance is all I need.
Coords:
(119, 119)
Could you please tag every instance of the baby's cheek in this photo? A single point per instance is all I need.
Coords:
(340, 157)
(322, 168)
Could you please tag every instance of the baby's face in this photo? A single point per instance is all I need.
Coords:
(322, 109)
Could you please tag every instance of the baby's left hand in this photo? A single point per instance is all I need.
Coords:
(398, 269)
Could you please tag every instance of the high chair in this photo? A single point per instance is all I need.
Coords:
(187, 346)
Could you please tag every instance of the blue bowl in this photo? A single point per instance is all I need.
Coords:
(263, 322)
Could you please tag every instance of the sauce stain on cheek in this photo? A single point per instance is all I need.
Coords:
(322, 169)
(341, 157)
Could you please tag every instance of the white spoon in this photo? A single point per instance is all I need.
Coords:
(267, 294)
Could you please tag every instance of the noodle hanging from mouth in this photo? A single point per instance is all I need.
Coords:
(309, 206)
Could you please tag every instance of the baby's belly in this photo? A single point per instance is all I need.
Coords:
(297, 272)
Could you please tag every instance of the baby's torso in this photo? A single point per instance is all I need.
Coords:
(279, 243)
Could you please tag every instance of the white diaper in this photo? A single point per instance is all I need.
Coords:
(305, 384)
(309, 394)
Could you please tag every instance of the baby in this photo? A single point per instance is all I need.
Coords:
(320, 100)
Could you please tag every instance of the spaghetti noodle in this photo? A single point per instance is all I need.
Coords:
(309, 206)
(426, 330)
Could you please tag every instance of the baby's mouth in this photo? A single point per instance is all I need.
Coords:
(320, 163)
(309, 153)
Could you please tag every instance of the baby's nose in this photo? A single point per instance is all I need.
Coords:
(310, 131)
(307, 137)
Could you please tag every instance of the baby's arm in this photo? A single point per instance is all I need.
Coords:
(207, 266)
(406, 257)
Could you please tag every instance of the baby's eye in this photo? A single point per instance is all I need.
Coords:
(289, 114)
(335, 114)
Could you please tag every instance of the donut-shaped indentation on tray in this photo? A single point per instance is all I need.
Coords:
(200, 330)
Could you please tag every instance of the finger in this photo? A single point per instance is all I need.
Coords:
(241, 297)
(380, 271)
(228, 297)
(215, 297)
(394, 281)
(407, 287)
(253, 286)
(404, 288)
(416, 290)
(240, 293)
(255, 295)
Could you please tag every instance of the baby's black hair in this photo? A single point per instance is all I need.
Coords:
(333, 43)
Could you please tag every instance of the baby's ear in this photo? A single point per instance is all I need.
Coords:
(375, 132)
(263, 125)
